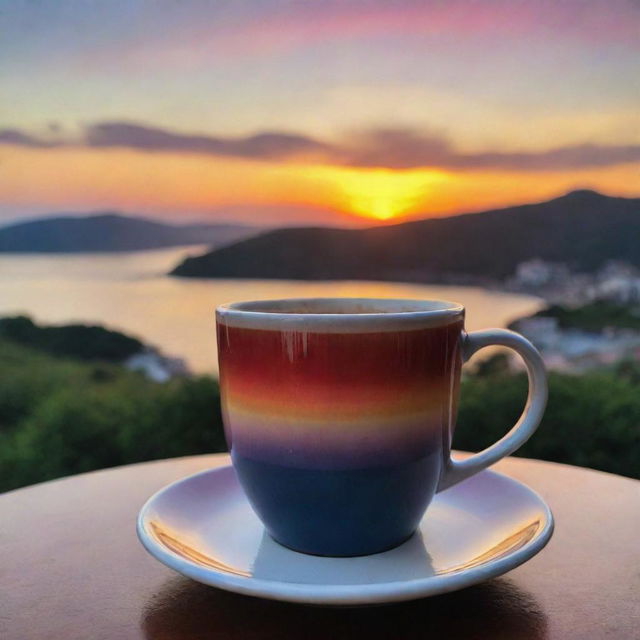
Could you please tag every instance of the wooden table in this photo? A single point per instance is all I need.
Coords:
(71, 568)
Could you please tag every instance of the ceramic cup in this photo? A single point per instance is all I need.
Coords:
(339, 414)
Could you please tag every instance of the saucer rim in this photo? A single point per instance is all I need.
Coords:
(354, 594)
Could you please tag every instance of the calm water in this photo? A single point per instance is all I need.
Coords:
(130, 292)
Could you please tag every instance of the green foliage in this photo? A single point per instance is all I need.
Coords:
(592, 420)
(595, 316)
(60, 417)
(78, 341)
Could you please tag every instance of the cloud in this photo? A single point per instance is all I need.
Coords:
(262, 146)
(397, 148)
(393, 148)
(22, 139)
(408, 149)
(581, 156)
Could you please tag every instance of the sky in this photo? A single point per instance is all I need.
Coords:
(314, 112)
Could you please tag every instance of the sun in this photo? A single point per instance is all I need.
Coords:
(380, 194)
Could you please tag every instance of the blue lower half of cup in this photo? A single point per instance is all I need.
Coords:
(340, 512)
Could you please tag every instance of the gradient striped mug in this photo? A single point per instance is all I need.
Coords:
(339, 414)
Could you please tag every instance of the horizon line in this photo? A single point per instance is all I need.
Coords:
(365, 222)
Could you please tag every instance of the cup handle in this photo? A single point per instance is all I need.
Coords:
(458, 470)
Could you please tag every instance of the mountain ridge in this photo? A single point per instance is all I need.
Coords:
(581, 228)
(111, 231)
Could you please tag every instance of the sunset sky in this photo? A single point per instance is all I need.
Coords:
(295, 112)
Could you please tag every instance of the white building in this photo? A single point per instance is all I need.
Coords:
(157, 367)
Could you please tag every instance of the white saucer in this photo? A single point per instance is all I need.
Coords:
(203, 527)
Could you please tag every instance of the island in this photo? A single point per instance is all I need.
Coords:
(112, 231)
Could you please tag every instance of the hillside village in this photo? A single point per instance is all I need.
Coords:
(593, 319)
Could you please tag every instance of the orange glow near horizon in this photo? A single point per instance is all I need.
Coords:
(381, 194)
(180, 186)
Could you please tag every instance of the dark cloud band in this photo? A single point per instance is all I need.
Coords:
(390, 148)
(22, 139)
(263, 146)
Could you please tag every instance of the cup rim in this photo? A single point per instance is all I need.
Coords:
(291, 314)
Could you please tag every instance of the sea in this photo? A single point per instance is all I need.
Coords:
(131, 292)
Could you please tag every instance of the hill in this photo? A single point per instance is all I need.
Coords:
(583, 229)
(111, 232)
(76, 341)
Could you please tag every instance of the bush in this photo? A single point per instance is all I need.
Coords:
(592, 420)
(60, 417)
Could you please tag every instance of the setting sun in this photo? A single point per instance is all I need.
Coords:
(384, 194)
(381, 194)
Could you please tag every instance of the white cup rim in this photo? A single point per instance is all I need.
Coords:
(327, 315)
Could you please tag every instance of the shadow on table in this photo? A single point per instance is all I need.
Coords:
(497, 609)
